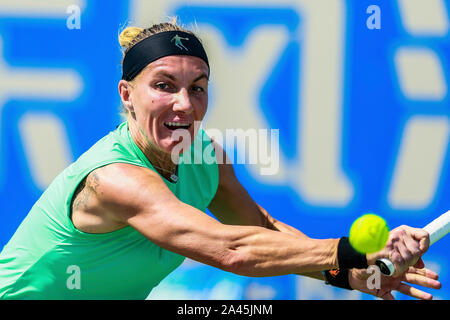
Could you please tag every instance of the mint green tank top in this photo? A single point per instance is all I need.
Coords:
(48, 258)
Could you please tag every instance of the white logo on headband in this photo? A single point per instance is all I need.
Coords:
(178, 42)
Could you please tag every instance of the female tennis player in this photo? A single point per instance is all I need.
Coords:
(125, 214)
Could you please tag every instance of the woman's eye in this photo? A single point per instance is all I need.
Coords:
(162, 86)
(198, 89)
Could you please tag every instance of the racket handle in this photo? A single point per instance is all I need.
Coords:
(386, 266)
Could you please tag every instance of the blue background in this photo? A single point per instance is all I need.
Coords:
(374, 115)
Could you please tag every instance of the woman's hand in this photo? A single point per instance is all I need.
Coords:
(404, 248)
(359, 280)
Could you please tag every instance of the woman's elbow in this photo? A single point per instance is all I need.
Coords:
(237, 262)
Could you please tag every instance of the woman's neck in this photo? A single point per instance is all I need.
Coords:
(160, 160)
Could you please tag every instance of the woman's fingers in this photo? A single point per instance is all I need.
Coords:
(424, 272)
(405, 248)
(421, 277)
(414, 292)
(401, 257)
(422, 280)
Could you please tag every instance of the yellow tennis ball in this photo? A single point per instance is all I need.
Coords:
(369, 233)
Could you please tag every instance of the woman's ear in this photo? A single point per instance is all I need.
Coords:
(125, 94)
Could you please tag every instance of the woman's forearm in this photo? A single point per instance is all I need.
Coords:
(282, 227)
(261, 252)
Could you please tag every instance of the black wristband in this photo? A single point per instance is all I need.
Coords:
(337, 278)
(348, 257)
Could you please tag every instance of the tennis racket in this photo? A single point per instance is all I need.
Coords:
(437, 229)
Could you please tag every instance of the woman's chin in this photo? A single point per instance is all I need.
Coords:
(174, 147)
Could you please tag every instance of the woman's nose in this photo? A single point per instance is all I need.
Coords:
(183, 102)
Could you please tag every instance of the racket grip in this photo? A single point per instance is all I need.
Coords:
(386, 266)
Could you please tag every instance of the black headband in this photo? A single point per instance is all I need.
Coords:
(159, 45)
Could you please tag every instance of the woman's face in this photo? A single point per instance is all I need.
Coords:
(170, 94)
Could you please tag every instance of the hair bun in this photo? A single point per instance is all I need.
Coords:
(128, 35)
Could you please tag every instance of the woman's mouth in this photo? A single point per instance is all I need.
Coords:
(177, 125)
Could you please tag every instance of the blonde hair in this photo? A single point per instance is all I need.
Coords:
(131, 35)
